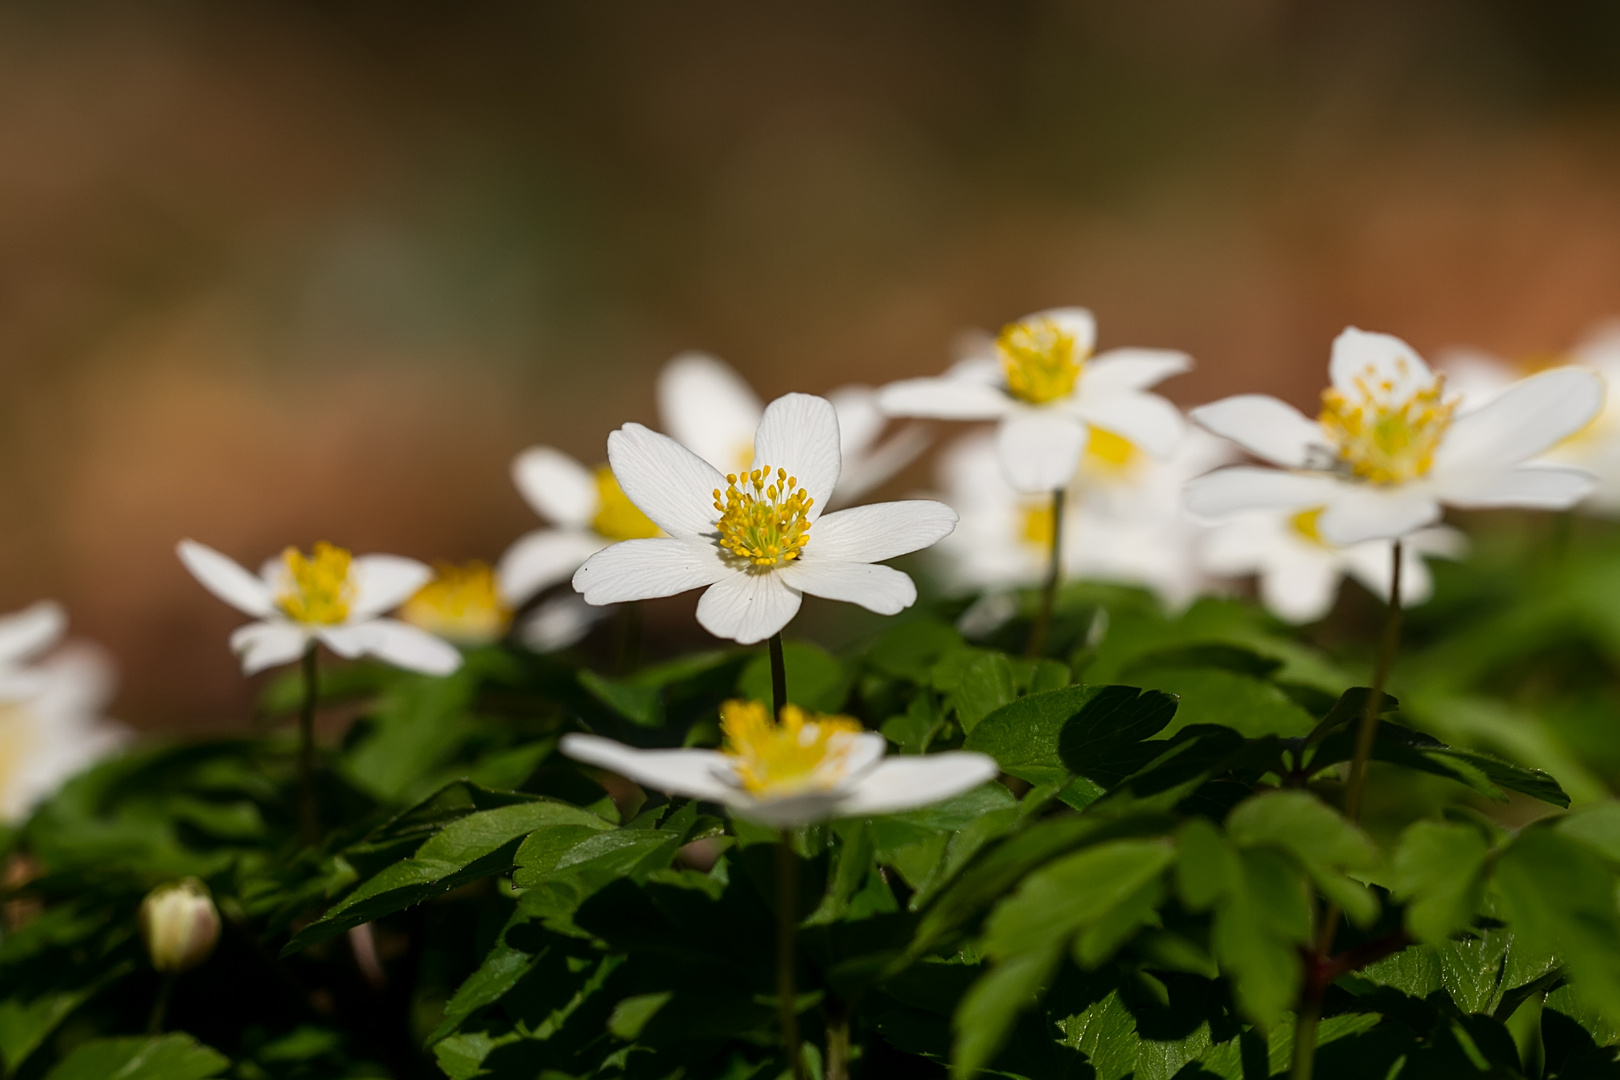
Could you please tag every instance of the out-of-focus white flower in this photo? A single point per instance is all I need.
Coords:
(559, 621)
(52, 719)
(1389, 447)
(1300, 572)
(1478, 377)
(757, 542)
(179, 925)
(328, 596)
(804, 769)
(460, 604)
(588, 510)
(1040, 380)
(708, 408)
(1122, 518)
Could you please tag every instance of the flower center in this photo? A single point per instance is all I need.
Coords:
(617, 518)
(1382, 436)
(1110, 454)
(316, 589)
(763, 519)
(1305, 524)
(18, 743)
(1040, 360)
(803, 753)
(460, 604)
(1039, 522)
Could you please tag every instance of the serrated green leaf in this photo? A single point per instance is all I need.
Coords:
(1439, 872)
(991, 1006)
(1106, 738)
(980, 687)
(1258, 928)
(161, 1057)
(1023, 736)
(1301, 824)
(1075, 891)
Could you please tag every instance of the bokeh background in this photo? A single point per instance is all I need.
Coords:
(279, 271)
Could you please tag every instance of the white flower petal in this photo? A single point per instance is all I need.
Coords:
(1078, 322)
(382, 583)
(555, 486)
(226, 579)
(1377, 512)
(1370, 564)
(1390, 359)
(1526, 419)
(666, 481)
(1299, 588)
(871, 470)
(692, 773)
(1040, 449)
(1541, 487)
(1264, 426)
(1147, 420)
(268, 644)
(880, 531)
(906, 782)
(643, 569)
(32, 630)
(1119, 371)
(540, 559)
(1245, 487)
(409, 647)
(882, 589)
(799, 433)
(945, 399)
(709, 409)
(748, 607)
(559, 622)
(859, 419)
(348, 641)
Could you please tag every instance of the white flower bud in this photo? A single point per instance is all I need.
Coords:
(180, 925)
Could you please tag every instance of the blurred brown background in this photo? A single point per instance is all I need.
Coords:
(273, 272)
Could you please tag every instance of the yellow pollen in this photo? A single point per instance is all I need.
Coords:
(617, 517)
(316, 589)
(461, 604)
(1038, 523)
(1040, 359)
(763, 518)
(1304, 523)
(1381, 439)
(805, 752)
(1110, 453)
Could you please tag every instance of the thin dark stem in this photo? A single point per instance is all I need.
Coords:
(837, 1039)
(1320, 971)
(160, 1006)
(1305, 1025)
(309, 818)
(1375, 699)
(787, 927)
(1054, 574)
(778, 677)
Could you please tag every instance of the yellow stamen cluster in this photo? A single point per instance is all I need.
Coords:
(1039, 521)
(617, 518)
(805, 752)
(1305, 524)
(1041, 360)
(763, 519)
(461, 604)
(1110, 454)
(316, 589)
(1381, 439)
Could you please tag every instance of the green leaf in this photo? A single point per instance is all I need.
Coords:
(640, 704)
(1596, 826)
(991, 1006)
(1439, 871)
(909, 649)
(1243, 703)
(815, 679)
(1075, 891)
(1023, 735)
(1303, 825)
(1256, 934)
(164, 1057)
(980, 687)
(1106, 738)
(1207, 866)
(470, 847)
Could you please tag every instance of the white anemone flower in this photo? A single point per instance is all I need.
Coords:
(1122, 518)
(329, 596)
(1478, 377)
(1389, 448)
(460, 604)
(804, 769)
(711, 410)
(1300, 572)
(757, 541)
(1041, 381)
(52, 719)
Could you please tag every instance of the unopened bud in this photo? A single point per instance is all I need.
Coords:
(180, 925)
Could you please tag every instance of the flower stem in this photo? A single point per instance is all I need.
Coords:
(309, 819)
(1375, 698)
(787, 926)
(837, 1039)
(1054, 573)
(160, 1006)
(1305, 1025)
(778, 677)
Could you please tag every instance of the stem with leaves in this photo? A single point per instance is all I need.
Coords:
(1054, 574)
(787, 928)
(1367, 733)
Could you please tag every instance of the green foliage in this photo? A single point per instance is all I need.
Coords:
(1141, 895)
